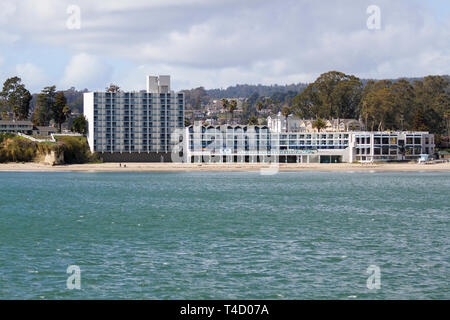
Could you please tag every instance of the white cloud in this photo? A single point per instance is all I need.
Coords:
(189, 77)
(220, 43)
(8, 38)
(86, 71)
(7, 10)
(33, 76)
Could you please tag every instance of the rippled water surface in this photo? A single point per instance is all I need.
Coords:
(209, 235)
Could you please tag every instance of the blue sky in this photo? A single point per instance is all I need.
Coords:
(440, 8)
(217, 43)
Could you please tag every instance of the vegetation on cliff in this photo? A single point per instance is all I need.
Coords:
(17, 149)
(76, 150)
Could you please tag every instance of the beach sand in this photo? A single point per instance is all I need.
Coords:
(174, 167)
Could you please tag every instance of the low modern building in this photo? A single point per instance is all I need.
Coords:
(44, 131)
(385, 146)
(13, 126)
(234, 143)
(134, 126)
(25, 127)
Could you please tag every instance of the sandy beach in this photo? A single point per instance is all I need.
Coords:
(180, 167)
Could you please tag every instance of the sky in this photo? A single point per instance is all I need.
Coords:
(219, 43)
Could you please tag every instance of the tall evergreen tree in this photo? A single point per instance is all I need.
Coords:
(419, 121)
(44, 106)
(286, 111)
(60, 109)
(232, 106)
(17, 97)
(333, 95)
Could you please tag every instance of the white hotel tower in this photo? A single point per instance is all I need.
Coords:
(134, 126)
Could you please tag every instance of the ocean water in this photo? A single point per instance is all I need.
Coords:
(217, 235)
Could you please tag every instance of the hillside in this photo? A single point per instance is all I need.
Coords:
(198, 97)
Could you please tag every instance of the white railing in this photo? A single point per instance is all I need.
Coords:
(20, 134)
(52, 136)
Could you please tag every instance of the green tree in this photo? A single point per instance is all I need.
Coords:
(4, 115)
(363, 108)
(333, 95)
(306, 105)
(44, 106)
(402, 103)
(447, 122)
(435, 123)
(346, 97)
(319, 124)
(377, 104)
(232, 106)
(259, 106)
(286, 111)
(113, 88)
(419, 121)
(17, 97)
(38, 117)
(4, 108)
(225, 103)
(252, 120)
(432, 97)
(60, 109)
(80, 125)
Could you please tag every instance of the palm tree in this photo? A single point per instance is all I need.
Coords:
(319, 124)
(225, 104)
(113, 88)
(259, 106)
(232, 107)
(252, 120)
(285, 112)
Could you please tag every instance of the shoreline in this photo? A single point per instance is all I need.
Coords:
(230, 167)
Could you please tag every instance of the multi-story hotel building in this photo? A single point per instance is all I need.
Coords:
(149, 126)
(134, 126)
(234, 143)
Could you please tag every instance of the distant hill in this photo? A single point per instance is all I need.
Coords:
(364, 81)
(246, 90)
(199, 96)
